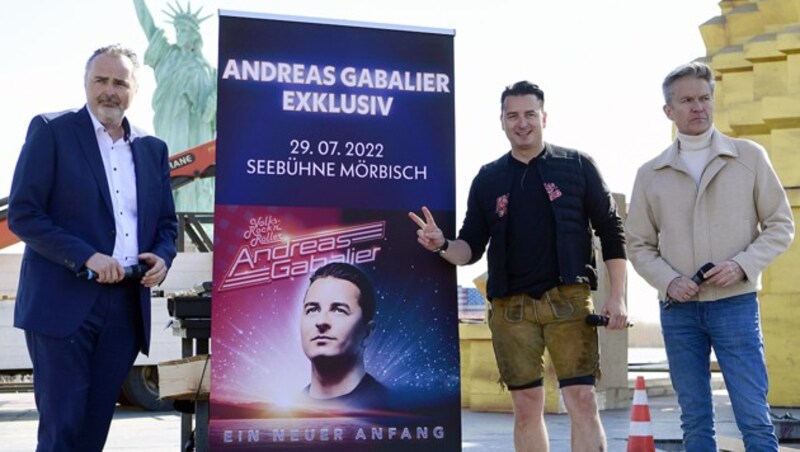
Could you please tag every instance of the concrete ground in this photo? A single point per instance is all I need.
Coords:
(136, 430)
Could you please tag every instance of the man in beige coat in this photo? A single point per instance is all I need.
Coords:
(709, 198)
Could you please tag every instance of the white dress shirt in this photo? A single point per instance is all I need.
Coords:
(121, 176)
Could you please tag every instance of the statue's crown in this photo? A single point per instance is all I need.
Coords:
(188, 17)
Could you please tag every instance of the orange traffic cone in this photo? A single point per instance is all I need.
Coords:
(640, 436)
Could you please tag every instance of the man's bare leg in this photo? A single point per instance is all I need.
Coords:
(587, 434)
(530, 434)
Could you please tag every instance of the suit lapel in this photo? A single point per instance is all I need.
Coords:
(138, 164)
(91, 151)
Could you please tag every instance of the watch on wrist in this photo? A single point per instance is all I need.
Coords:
(440, 250)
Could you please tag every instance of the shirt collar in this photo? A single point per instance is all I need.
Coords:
(514, 163)
(695, 142)
(721, 145)
(129, 133)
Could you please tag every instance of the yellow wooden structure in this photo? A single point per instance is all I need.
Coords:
(754, 48)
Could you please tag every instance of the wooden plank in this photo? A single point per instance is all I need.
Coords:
(729, 444)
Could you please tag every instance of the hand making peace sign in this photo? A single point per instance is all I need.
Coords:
(428, 235)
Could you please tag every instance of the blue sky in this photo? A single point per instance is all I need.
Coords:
(600, 64)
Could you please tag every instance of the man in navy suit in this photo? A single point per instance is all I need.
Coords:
(90, 192)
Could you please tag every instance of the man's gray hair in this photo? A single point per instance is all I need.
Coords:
(117, 50)
(694, 69)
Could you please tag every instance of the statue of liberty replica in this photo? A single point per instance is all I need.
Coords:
(185, 99)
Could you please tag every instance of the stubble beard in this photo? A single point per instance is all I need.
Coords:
(110, 115)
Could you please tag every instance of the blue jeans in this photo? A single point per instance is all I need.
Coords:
(732, 326)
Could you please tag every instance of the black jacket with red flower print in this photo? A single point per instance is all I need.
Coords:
(581, 203)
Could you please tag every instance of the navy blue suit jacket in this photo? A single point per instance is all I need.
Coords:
(60, 206)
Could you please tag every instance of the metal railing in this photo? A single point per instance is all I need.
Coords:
(194, 226)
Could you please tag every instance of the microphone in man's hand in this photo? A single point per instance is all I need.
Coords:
(698, 279)
(601, 320)
(131, 272)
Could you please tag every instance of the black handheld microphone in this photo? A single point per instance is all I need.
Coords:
(698, 279)
(131, 272)
(601, 320)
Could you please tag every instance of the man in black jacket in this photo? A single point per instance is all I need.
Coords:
(536, 208)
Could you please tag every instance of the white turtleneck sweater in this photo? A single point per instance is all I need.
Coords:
(694, 151)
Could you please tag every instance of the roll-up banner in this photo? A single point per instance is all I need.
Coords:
(331, 328)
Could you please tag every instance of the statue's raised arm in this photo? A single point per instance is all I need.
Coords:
(145, 18)
(157, 45)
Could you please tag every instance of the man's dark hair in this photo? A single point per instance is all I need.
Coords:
(694, 69)
(351, 273)
(522, 88)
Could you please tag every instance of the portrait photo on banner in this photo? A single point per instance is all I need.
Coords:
(327, 296)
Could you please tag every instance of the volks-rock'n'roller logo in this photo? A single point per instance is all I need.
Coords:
(263, 230)
(271, 254)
